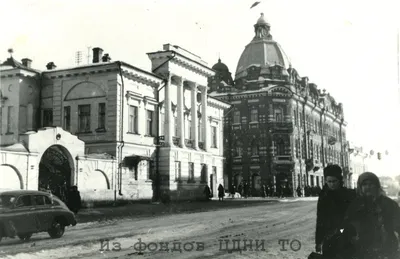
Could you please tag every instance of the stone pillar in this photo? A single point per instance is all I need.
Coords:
(204, 117)
(181, 120)
(169, 122)
(194, 117)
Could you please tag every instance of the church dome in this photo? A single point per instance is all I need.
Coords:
(220, 67)
(262, 51)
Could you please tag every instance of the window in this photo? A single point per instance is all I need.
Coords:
(133, 119)
(239, 149)
(280, 147)
(191, 172)
(278, 115)
(236, 117)
(203, 173)
(67, 118)
(9, 119)
(47, 117)
(102, 116)
(39, 199)
(149, 123)
(254, 115)
(177, 170)
(254, 148)
(213, 136)
(24, 201)
(84, 118)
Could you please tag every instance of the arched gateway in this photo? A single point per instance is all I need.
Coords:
(57, 150)
(56, 171)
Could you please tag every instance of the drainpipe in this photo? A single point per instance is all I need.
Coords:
(39, 110)
(27, 171)
(121, 133)
(158, 147)
(305, 139)
(322, 127)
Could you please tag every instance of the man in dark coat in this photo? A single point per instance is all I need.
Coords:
(372, 221)
(74, 199)
(221, 192)
(207, 192)
(333, 202)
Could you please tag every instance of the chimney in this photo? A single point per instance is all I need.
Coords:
(97, 52)
(106, 58)
(26, 62)
(51, 66)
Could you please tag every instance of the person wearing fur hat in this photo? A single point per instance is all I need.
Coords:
(372, 221)
(333, 202)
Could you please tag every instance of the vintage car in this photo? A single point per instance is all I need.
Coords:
(24, 212)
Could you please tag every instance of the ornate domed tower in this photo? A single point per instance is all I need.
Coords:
(222, 81)
(260, 55)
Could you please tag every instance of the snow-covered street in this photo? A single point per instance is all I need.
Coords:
(268, 230)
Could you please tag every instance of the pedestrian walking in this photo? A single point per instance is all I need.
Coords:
(298, 190)
(333, 202)
(207, 192)
(221, 192)
(372, 222)
(233, 191)
(263, 191)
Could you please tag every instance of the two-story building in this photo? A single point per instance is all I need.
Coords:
(97, 126)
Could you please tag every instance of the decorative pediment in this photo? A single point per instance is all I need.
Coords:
(281, 90)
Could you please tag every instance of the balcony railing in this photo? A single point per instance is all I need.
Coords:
(255, 160)
(283, 159)
(188, 142)
(175, 141)
(281, 126)
(201, 145)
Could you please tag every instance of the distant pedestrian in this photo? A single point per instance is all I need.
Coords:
(221, 192)
(207, 192)
(233, 191)
(263, 191)
(298, 190)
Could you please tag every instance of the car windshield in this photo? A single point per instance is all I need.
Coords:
(6, 200)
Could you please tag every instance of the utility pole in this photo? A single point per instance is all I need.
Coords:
(88, 54)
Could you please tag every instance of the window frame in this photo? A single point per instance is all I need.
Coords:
(82, 115)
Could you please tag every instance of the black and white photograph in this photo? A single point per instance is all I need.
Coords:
(200, 129)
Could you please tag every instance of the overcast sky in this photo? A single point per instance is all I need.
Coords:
(348, 47)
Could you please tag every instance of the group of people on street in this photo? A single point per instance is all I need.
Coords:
(356, 224)
(208, 193)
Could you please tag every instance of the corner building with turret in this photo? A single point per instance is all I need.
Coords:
(281, 130)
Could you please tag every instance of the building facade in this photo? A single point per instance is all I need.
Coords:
(95, 126)
(281, 130)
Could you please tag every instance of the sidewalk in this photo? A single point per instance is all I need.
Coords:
(135, 210)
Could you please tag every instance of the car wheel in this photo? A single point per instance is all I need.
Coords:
(57, 229)
(25, 237)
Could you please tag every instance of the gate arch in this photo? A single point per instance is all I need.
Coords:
(56, 170)
(4, 168)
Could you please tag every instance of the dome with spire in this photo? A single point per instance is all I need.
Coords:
(262, 51)
(220, 67)
(222, 73)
